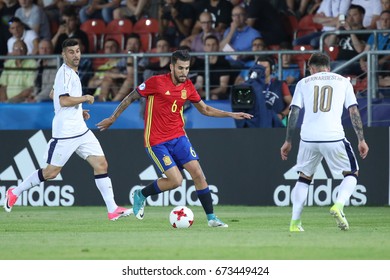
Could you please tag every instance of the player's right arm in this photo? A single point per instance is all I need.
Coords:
(130, 98)
(358, 127)
(291, 126)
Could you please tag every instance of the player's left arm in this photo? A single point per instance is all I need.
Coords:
(358, 127)
(209, 111)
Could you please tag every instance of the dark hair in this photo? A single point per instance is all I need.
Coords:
(385, 12)
(357, 7)
(211, 37)
(184, 48)
(268, 59)
(70, 42)
(182, 55)
(319, 60)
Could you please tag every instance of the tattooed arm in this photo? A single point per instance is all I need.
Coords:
(130, 98)
(291, 126)
(358, 127)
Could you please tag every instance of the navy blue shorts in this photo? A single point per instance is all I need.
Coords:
(175, 152)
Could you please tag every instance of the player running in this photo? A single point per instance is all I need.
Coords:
(165, 139)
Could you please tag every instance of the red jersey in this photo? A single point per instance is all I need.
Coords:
(164, 108)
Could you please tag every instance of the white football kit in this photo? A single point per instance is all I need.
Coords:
(69, 131)
(323, 96)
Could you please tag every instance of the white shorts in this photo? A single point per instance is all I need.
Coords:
(60, 150)
(338, 155)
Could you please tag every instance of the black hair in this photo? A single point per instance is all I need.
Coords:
(319, 60)
(268, 59)
(182, 55)
(70, 42)
(385, 12)
(211, 37)
(357, 7)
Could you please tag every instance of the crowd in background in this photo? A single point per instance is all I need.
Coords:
(39, 27)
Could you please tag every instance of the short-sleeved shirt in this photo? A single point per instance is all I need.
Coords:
(28, 37)
(323, 95)
(17, 79)
(36, 17)
(164, 107)
(68, 121)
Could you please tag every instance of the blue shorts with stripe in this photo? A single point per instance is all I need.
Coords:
(175, 152)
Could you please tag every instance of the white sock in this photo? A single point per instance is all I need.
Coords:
(298, 198)
(346, 189)
(31, 181)
(105, 187)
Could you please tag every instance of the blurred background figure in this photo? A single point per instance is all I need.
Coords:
(100, 9)
(34, 17)
(18, 76)
(19, 32)
(46, 74)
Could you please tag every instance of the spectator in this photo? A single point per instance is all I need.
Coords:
(328, 16)
(291, 73)
(219, 72)
(258, 44)
(126, 66)
(17, 86)
(19, 31)
(238, 37)
(349, 45)
(55, 8)
(196, 41)
(34, 17)
(7, 11)
(99, 9)
(85, 68)
(277, 93)
(382, 41)
(161, 66)
(106, 69)
(69, 28)
(132, 11)
(372, 9)
(266, 19)
(221, 11)
(175, 21)
(47, 70)
(385, 6)
(301, 11)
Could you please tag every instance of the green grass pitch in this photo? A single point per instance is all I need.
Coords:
(254, 233)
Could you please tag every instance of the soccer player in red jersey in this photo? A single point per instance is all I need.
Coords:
(164, 136)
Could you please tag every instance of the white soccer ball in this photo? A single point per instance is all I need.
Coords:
(181, 217)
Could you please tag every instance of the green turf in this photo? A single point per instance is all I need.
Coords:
(85, 233)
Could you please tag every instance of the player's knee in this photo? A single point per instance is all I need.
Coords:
(176, 182)
(49, 174)
(101, 167)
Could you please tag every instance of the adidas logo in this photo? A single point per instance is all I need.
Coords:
(24, 161)
(323, 189)
(183, 195)
(51, 195)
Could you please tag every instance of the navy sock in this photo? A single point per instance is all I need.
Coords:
(205, 198)
(151, 189)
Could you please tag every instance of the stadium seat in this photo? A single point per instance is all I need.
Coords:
(301, 59)
(95, 29)
(306, 25)
(118, 29)
(332, 52)
(147, 28)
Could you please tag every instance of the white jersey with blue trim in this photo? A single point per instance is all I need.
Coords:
(67, 121)
(323, 96)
